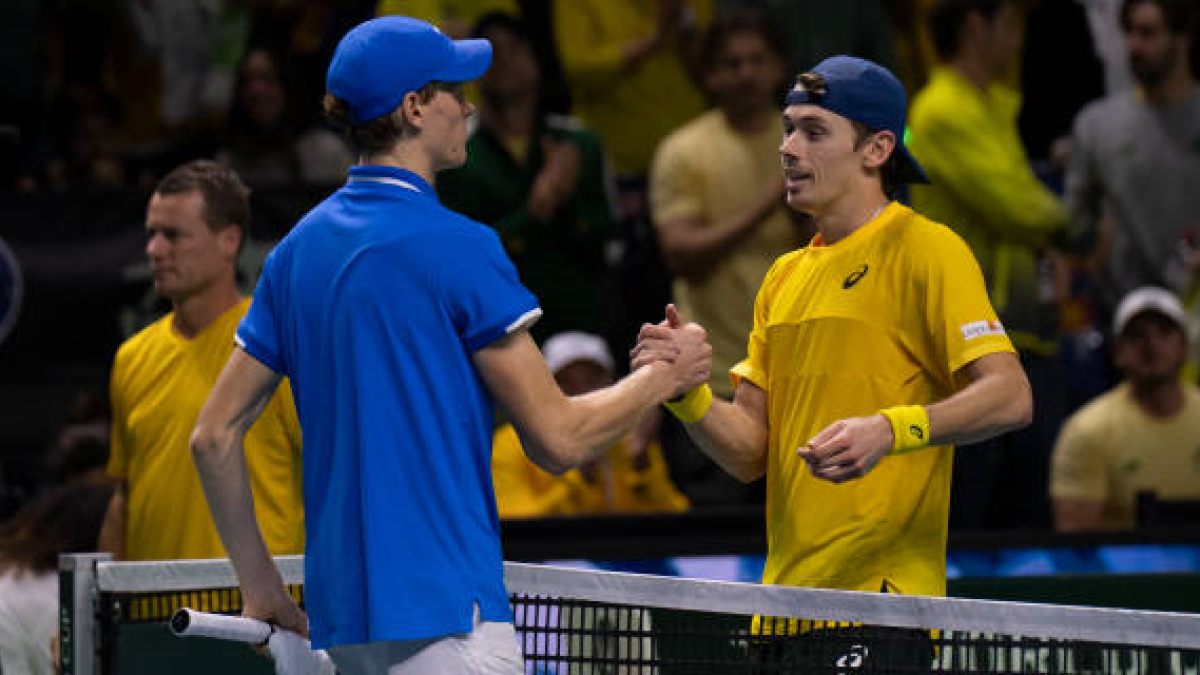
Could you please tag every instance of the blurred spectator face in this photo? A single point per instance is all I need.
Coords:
(186, 256)
(1152, 349)
(262, 92)
(819, 158)
(1004, 38)
(746, 74)
(580, 377)
(1153, 49)
(514, 70)
(92, 150)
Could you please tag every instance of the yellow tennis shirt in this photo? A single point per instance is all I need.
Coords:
(886, 316)
(160, 381)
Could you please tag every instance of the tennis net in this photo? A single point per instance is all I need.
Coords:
(583, 622)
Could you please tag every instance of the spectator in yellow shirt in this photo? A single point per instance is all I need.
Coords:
(625, 480)
(963, 130)
(1143, 435)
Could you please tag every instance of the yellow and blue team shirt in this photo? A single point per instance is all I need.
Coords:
(887, 316)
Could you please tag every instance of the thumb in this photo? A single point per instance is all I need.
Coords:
(673, 319)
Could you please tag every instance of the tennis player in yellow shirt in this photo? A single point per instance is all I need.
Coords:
(874, 350)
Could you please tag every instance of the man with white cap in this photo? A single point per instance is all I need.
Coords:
(1143, 435)
(617, 482)
(397, 322)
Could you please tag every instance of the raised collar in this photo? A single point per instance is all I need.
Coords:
(390, 175)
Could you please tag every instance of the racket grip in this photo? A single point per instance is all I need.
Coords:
(187, 622)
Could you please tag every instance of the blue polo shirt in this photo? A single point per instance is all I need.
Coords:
(373, 306)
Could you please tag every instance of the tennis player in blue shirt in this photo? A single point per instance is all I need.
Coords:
(397, 322)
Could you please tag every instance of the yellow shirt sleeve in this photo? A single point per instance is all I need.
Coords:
(958, 315)
(753, 368)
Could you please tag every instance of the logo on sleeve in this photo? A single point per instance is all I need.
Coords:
(916, 431)
(978, 329)
(855, 276)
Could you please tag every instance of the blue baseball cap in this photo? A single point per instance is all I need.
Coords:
(381, 60)
(869, 94)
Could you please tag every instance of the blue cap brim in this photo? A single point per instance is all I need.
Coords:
(471, 60)
(910, 171)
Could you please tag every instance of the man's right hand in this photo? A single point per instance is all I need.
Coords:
(684, 346)
(279, 609)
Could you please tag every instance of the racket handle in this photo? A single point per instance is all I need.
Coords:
(187, 622)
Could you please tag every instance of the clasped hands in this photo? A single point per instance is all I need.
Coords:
(684, 346)
(845, 450)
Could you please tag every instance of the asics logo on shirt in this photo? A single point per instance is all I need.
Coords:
(855, 276)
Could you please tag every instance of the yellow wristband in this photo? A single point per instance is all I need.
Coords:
(910, 427)
(692, 406)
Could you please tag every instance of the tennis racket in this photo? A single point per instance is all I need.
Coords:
(187, 622)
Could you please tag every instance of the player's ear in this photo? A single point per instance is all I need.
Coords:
(878, 148)
(230, 240)
(411, 111)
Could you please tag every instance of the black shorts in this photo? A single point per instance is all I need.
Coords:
(855, 649)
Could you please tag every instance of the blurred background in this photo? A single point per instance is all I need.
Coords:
(101, 97)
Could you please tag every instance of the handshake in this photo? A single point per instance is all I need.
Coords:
(682, 351)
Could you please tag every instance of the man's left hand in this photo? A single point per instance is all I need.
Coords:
(847, 449)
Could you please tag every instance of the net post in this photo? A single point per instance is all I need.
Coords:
(77, 629)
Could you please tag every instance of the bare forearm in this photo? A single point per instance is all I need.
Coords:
(732, 439)
(1073, 514)
(221, 466)
(996, 401)
(583, 427)
(241, 393)
(733, 434)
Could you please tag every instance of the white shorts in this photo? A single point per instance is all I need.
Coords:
(490, 648)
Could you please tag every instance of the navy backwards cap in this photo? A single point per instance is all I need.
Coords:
(380, 61)
(866, 93)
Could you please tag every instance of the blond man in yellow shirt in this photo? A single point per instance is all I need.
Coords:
(162, 376)
(873, 351)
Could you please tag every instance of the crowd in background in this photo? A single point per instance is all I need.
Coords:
(589, 159)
